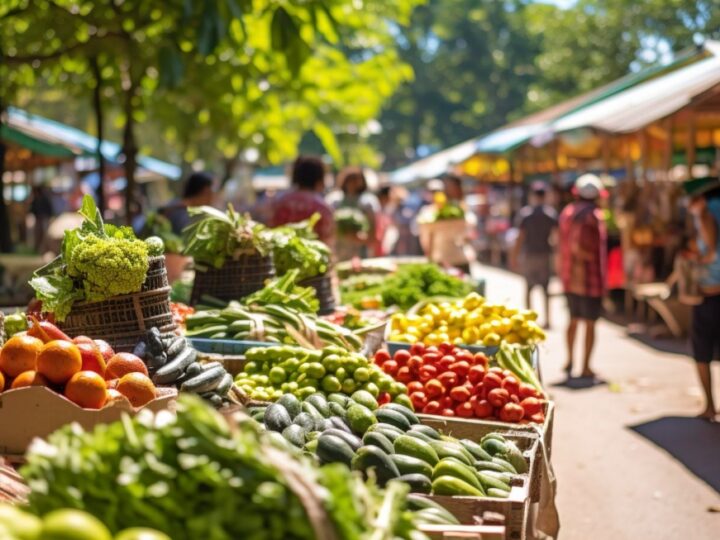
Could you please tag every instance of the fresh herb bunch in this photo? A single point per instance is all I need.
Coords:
(295, 246)
(97, 261)
(216, 237)
(351, 220)
(285, 292)
(413, 282)
(158, 225)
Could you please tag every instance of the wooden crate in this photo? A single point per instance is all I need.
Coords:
(464, 532)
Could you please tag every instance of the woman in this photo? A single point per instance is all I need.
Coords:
(354, 240)
(705, 209)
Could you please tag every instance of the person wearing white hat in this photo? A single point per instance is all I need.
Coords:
(582, 264)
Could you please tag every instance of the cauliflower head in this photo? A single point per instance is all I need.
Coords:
(109, 266)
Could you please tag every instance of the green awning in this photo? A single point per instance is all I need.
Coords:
(35, 145)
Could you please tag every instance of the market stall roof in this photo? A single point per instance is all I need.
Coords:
(47, 135)
(648, 101)
(435, 164)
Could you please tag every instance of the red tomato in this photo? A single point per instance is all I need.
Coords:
(476, 374)
(449, 379)
(419, 400)
(383, 398)
(482, 408)
(460, 394)
(432, 349)
(402, 356)
(528, 390)
(538, 418)
(445, 362)
(447, 402)
(434, 388)
(482, 360)
(511, 412)
(390, 367)
(415, 363)
(448, 412)
(404, 375)
(461, 368)
(492, 381)
(511, 384)
(446, 348)
(479, 390)
(465, 356)
(415, 386)
(431, 358)
(514, 398)
(498, 397)
(532, 405)
(497, 370)
(473, 400)
(464, 410)
(432, 407)
(382, 356)
(417, 349)
(427, 373)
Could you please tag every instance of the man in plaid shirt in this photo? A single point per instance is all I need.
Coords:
(583, 252)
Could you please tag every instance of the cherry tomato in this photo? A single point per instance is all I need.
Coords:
(527, 390)
(464, 410)
(532, 405)
(482, 408)
(492, 381)
(498, 397)
(432, 349)
(382, 356)
(461, 368)
(427, 372)
(415, 386)
(479, 390)
(390, 367)
(482, 360)
(402, 356)
(434, 388)
(514, 398)
(415, 363)
(432, 407)
(383, 398)
(473, 400)
(511, 384)
(446, 348)
(449, 379)
(448, 412)
(476, 374)
(417, 349)
(431, 358)
(446, 361)
(538, 418)
(460, 394)
(497, 370)
(511, 412)
(464, 356)
(419, 400)
(447, 402)
(404, 375)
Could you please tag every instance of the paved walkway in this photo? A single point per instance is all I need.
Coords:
(631, 461)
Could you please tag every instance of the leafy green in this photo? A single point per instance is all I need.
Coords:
(414, 282)
(295, 246)
(158, 225)
(351, 220)
(284, 292)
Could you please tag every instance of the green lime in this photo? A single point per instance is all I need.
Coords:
(251, 367)
(365, 398)
(19, 524)
(384, 384)
(404, 399)
(372, 388)
(331, 384)
(316, 370)
(292, 386)
(139, 533)
(277, 375)
(348, 386)
(332, 362)
(73, 525)
(304, 392)
(341, 373)
(362, 374)
(291, 364)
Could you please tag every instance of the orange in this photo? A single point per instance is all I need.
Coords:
(2, 382)
(87, 389)
(59, 360)
(124, 363)
(113, 395)
(19, 354)
(138, 388)
(29, 378)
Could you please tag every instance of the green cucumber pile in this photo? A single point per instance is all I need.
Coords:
(387, 442)
(271, 372)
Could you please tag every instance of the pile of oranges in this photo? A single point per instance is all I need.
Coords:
(86, 371)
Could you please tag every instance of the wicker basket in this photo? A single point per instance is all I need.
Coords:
(324, 290)
(235, 280)
(123, 320)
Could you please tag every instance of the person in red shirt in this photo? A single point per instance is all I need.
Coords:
(306, 199)
(582, 256)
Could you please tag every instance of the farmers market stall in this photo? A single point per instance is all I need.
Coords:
(414, 410)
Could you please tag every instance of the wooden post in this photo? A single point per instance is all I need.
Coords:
(690, 152)
(667, 158)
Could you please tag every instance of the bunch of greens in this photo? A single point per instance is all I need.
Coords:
(414, 282)
(295, 246)
(215, 236)
(97, 261)
(197, 475)
(158, 225)
(351, 220)
(285, 292)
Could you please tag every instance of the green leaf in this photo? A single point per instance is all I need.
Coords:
(328, 140)
(171, 66)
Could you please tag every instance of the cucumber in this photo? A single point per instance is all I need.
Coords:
(390, 431)
(411, 465)
(291, 403)
(320, 403)
(449, 485)
(333, 449)
(419, 435)
(277, 417)
(206, 381)
(336, 409)
(418, 483)
(339, 423)
(294, 434)
(498, 493)
(172, 371)
(255, 408)
(490, 481)
(388, 416)
(411, 446)
(371, 458)
(427, 430)
(310, 409)
(406, 412)
(504, 477)
(363, 397)
(305, 420)
(489, 466)
(453, 467)
(419, 503)
(354, 442)
(504, 464)
(175, 347)
(494, 446)
(451, 449)
(258, 416)
(434, 516)
(191, 371)
(375, 438)
(360, 418)
(340, 399)
(475, 449)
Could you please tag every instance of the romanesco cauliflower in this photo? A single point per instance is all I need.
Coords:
(109, 266)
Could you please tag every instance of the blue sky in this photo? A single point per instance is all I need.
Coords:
(561, 3)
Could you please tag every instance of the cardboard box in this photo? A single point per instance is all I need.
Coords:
(37, 411)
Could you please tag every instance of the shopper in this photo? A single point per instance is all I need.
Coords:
(582, 256)
(704, 207)
(306, 199)
(532, 253)
(198, 191)
(41, 207)
(353, 194)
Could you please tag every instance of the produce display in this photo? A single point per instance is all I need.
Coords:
(173, 362)
(350, 220)
(180, 311)
(85, 371)
(352, 319)
(157, 225)
(450, 381)
(271, 372)
(469, 321)
(196, 475)
(387, 442)
(97, 261)
(295, 247)
(405, 288)
(12, 324)
(64, 524)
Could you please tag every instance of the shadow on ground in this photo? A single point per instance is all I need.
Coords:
(692, 441)
(668, 345)
(579, 383)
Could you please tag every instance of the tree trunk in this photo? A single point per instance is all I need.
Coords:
(97, 105)
(129, 147)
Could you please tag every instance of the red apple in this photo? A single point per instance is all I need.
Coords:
(92, 358)
(105, 349)
(82, 339)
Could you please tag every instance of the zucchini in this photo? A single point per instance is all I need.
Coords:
(291, 403)
(490, 481)
(305, 420)
(411, 465)
(418, 483)
(332, 449)
(411, 446)
(277, 417)
(375, 438)
(406, 412)
(451, 449)
(354, 442)
(176, 346)
(498, 493)
(389, 416)
(295, 434)
(172, 371)
(339, 423)
(475, 449)
(449, 485)
(453, 467)
(320, 403)
(225, 384)
(419, 435)
(371, 458)
(204, 382)
(427, 430)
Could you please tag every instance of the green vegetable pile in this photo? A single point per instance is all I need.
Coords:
(273, 371)
(351, 220)
(97, 261)
(295, 246)
(388, 443)
(196, 476)
(158, 225)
